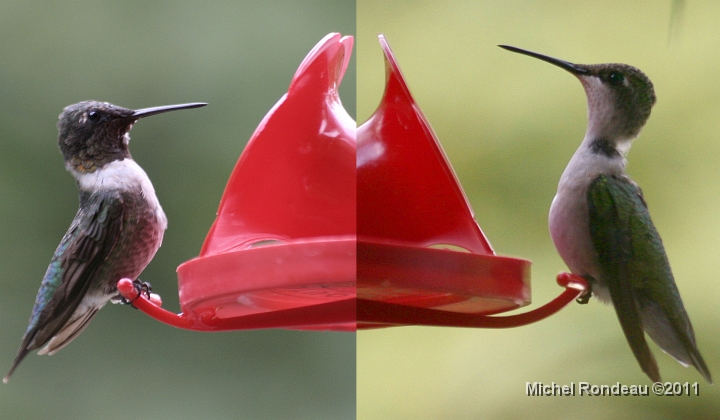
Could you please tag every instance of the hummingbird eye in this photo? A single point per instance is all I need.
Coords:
(94, 116)
(615, 78)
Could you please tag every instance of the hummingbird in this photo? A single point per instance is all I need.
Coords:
(600, 224)
(117, 230)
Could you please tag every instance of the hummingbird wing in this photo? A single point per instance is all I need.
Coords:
(637, 272)
(82, 251)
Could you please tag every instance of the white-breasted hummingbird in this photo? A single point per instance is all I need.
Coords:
(599, 221)
(117, 229)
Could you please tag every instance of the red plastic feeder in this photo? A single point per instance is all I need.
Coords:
(282, 251)
(422, 258)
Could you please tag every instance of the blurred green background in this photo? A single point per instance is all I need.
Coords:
(239, 56)
(509, 124)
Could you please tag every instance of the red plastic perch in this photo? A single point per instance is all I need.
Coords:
(379, 314)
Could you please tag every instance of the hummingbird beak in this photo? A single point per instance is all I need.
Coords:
(572, 68)
(146, 112)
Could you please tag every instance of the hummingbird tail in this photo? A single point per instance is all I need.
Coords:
(73, 328)
(626, 309)
(20, 356)
(649, 365)
(684, 350)
(675, 336)
(26, 347)
(37, 337)
(699, 363)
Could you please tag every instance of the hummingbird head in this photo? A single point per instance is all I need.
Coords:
(93, 134)
(619, 96)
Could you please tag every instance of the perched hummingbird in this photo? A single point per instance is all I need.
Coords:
(117, 229)
(599, 221)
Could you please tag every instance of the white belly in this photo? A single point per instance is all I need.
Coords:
(570, 231)
(569, 218)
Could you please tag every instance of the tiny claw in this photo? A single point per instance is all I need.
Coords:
(125, 301)
(143, 287)
(584, 298)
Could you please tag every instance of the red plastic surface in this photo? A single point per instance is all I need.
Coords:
(281, 253)
(410, 206)
(407, 191)
(376, 314)
(441, 279)
(338, 312)
(296, 177)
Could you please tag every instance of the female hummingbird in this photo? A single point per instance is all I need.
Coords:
(599, 221)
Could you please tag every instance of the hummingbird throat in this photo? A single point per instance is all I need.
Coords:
(97, 155)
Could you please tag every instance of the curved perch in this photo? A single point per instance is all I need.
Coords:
(339, 312)
(370, 313)
(378, 314)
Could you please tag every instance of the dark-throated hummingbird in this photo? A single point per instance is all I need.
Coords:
(117, 229)
(599, 221)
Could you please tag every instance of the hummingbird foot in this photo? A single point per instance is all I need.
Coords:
(584, 298)
(143, 288)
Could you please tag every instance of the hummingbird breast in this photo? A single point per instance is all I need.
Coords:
(569, 221)
(143, 221)
(141, 236)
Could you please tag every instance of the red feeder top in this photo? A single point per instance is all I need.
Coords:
(296, 177)
(410, 207)
(408, 192)
(281, 252)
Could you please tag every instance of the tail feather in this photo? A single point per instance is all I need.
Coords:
(69, 331)
(699, 363)
(62, 338)
(674, 335)
(22, 352)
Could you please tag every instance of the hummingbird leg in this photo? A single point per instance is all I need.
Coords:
(121, 300)
(584, 298)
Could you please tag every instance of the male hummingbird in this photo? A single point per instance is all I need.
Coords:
(117, 229)
(599, 221)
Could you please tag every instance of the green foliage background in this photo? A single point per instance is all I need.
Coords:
(239, 56)
(509, 124)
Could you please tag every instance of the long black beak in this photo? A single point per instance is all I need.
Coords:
(572, 68)
(146, 112)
